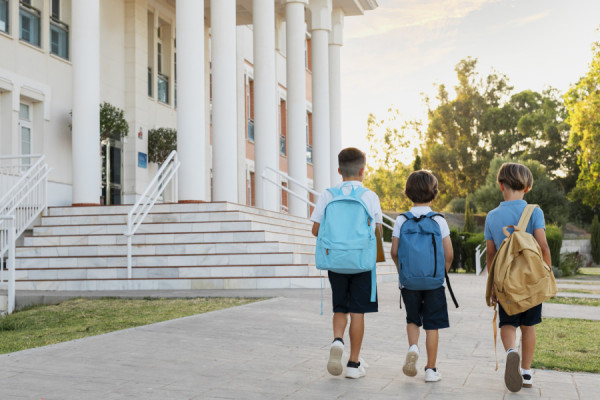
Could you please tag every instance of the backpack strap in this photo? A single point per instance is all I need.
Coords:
(408, 215)
(432, 214)
(526, 216)
(450, 290)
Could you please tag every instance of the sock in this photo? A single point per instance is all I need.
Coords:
(352, 364)
(433, 369)
(340, 339)
(414, 348)
(525, 372)
(510, 350)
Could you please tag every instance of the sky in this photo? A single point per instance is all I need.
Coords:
(399, 51)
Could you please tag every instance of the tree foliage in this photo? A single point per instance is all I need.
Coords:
(161, 142)
(583, 104)
(545, 192)
(485, 121)
(112, 122)
(470, 224)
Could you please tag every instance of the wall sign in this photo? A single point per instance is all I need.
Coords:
(142, 160)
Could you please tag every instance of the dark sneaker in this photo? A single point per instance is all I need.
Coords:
(512, 374)
(527, 381)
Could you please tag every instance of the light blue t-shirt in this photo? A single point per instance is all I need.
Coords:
(509, 213)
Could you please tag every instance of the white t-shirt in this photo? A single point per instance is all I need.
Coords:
(417, 212)
(370, 199)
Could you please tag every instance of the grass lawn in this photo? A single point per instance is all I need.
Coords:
(568, 345)
(589, 271)
(586, 291)
(578, 301)
(43, 325)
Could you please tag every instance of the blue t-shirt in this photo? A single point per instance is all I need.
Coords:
(509, 213)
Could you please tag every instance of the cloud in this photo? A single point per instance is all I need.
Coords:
(531, 18)
(412, 13)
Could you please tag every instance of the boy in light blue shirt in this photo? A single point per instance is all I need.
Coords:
(515, 180)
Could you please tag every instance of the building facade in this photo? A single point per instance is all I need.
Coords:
(250, 85)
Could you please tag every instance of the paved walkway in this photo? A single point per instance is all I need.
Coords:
(277, 349)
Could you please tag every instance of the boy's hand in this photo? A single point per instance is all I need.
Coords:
(315, 228)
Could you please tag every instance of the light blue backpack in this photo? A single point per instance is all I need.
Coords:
(420, 253)
(346, 241)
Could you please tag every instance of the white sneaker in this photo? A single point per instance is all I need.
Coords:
(512, 373)
(355, 373)
(432, 375)
(334, 365)
(410, 364)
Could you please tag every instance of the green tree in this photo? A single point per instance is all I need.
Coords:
(583, 104)
(470, 224)
(595, 239)
(545, 192)
(112, 122)
(161, 142)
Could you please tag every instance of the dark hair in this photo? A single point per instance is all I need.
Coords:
(350, 161)
(515, 176)
(421, 187)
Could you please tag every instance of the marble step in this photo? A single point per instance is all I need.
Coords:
(170, 249)
(170, 227)
(166, 260)
(168, 238)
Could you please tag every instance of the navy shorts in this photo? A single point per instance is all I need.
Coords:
(351, 293)
(426, 307)
(530, 317)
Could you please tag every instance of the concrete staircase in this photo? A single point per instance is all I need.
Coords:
(179, 246)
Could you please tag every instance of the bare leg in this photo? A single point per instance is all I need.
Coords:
(357, 332)
(340, 320)
(431, 342)
(528, 338)
(508, 334)
(412, 331)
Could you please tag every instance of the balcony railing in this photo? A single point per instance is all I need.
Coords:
(59, 38)
(30, 24)
(163, 88)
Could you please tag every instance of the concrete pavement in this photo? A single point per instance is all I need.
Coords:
(278, 348)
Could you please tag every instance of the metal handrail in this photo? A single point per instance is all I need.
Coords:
(153, 191)
(11, 259)
(317, 194)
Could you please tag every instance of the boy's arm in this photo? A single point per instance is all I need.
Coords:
(448, 252)
(540, 235)
(315, 228)
(395, 242)
(490, 252)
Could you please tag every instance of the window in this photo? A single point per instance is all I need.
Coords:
(309, 152)
(25, 133)
(307, 54)
(250, 110)
(282, 128)
(4, 16)
(163, 88)
(56, 9)
(59, 33)
(30, 23)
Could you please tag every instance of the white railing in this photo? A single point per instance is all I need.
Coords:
(7, 228)
(153, 191)
(306, 188)
(479, 250)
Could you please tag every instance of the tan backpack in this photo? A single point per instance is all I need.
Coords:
(520, 277)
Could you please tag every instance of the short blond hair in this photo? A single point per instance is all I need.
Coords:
(515, 176)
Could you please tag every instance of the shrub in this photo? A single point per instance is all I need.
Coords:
(554, 237)
(457, 205)
(464, 245)
(112, 122)
(595, 239)
(557, 272)
(456, 247)
(161, 142)
(470, 224)
(570, 263)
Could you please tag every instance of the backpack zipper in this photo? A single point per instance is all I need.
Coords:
(434, 256)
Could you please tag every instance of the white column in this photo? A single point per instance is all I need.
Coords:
(321, 25)
(224, 107)
(86, 101)
(335, 92)
(191, 145)
(265, 105)
(296, 102)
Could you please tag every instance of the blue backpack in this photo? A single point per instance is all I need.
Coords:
(420, 253)
(346, 241)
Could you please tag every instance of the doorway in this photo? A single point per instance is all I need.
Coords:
(112, 171)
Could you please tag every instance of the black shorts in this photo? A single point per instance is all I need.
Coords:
(351, 293)
(530, 317)
(426, 307)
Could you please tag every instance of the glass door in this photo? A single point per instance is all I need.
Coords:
(111, 171)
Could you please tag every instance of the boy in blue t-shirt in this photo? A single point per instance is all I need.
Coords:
(515, 180)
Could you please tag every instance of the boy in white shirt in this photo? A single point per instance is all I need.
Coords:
(423, 307)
